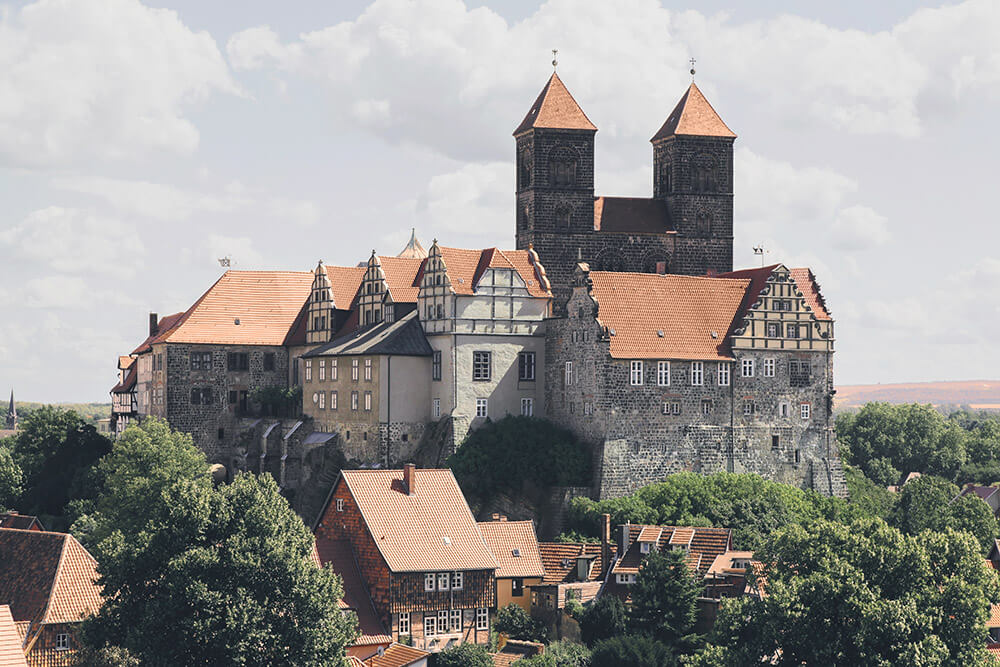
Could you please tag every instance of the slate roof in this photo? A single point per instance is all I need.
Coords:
(703, 545)
(397, 655)
(693, 116)
(559, 560)
(687, 310)
(635, 215)
(465, 267)
(11, 653)
(404, 337)
(804, 280)
(340, 557)
(430, 530)
(22, 521)
(555, 108)
(504, 538)
(46, 577)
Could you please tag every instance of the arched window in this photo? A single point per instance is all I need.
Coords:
(564, 216)
(562, 168)
(703, 224)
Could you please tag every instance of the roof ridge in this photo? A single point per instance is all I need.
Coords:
(165, 336)
(55, 578)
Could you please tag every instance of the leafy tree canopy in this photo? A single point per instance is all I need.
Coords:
(931, 503)
(604, 618)
(464, 655)
(665, 599)
(861, 594)
(632, 651)
(10, 479)
(514, 622)
(568, 654)
(218, 577)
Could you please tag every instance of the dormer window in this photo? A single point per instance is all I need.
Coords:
(644, 547)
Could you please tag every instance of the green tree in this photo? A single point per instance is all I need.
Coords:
(464, 655)
(632, 651)
(565, 653)
(861, 594)
(604, 618)
(868, 499)
(10, 479)
(40, 434)
(931, 503)
(514, 622)
(145, 460)
(219, 577)
(665, 599)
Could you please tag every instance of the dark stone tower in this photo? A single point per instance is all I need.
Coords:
(555, 181)
(693, 174)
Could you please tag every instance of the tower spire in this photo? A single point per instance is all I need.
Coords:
(11, 421)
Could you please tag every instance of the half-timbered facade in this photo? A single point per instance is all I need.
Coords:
(124, 397)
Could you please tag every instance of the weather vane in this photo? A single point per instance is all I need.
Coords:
(760, 251)
(693, 61)
(555, 62)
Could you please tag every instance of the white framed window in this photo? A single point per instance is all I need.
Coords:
(748, 368)
(588, 408)
(368, 369)
(666, 408)
(783, 409)
(644, 547)
(625, 578)
(773, 330)
(322, 369)
(675, 408)
(354, 400)
(444, 580)
(368, 401)
(429, 580)
(482, 618)
(443, 621)
(568, 374)
(430, 625)
(62, 641)
(663, 373)
(697, 373)
(456, 620)
(482, 407)
(481, 366)
(309, 370)
(635, 376)
(769, 368)
(333, 369)
(748, 408)
(354, 369)
(706, 407)
(527, 407)
(404, 623)
(436, 408)
(340, 504)
(724, 373)
(456, 581)
(805, 410)
(322, 399)
(526, 366)
(333, 399)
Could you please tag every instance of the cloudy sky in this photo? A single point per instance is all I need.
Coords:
(141, 142)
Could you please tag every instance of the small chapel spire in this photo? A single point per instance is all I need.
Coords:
(11, 421)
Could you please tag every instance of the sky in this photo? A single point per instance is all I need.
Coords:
(140, 142)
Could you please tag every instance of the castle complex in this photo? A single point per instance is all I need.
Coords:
(619, 318)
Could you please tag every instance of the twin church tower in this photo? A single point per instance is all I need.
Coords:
(685, 228)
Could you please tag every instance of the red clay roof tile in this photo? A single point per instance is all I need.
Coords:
(693, 116)
(339, 556)
(555, 108)
(11, 653)
(504, 538)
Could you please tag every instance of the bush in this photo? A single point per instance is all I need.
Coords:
(466, 655)
(632, 651)
(514, 622)
(568, 654)
(603, 619)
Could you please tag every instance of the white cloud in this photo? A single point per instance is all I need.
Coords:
(860, 228)
(103, 78)
(473, 202)
(69, 240)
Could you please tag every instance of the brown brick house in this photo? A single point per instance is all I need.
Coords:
(48, 580)
(421, 557)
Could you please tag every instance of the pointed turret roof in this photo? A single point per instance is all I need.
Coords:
(413, 249)
(11, 420)
(693, 116)
(555, 108)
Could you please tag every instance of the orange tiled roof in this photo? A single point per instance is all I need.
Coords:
(125, 362)
(994, 621)
(465, 267)
(693, 116)
(266, 304)
(806, 282)
(555, 108)
(504, 537)
(649, 534)
(724, 561)
(339, 556)
(128, 384)
(704, 545)
(403, 277)
(344, 284)
(397, 655)
(432, 529)
(11, 653)
(994, 651)
(559, 560)
(164, 325)
(46, 577)
(687, 310)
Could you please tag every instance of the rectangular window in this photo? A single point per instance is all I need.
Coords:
(333, 400)
(804, 410)
(775, 442)
(322, 400)
(368, 369)
(663, 373)
(706, 407)
(568, 374)
(482, 618)
(769, 368)
(333, 369)
(322, 369)
(773, 330)
(635, 374)
(517, 587)
(309, 370)
(404, 623)
(436, 365)
(354, 401)
(697, 373)
(62, 641)
(481, 366)
(456, 581)
(443, 621)
(588, 408)
(340, 504)
(368, 401)
(430, 625)
(440, 311)
(783, 410)
(354, 369)
(430, 311)
(429, 580)
(436, 408)
(675, 408)
(443, 581)
(481, 407)
(724, 373)
(200, 396)
(238, 361)
(526, 366)
(749, 408)
(748, 368)
(456, 620)
(791, 331)
(527, 407)
(201, 361)
(269, 361)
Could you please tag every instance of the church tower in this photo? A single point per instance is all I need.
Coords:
(555, 179)
(693, 174)
(11, 421)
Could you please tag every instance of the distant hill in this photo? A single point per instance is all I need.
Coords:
(91, 412)
(973, 394)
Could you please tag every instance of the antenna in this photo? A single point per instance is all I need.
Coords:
(760, 251)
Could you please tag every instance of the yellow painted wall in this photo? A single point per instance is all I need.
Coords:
(504, 596)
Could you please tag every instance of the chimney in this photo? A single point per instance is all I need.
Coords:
(153, 327)
(496, 516)
(410, 478)
(605, 541)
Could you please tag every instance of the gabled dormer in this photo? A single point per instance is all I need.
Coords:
(374, 300)
(320, 316)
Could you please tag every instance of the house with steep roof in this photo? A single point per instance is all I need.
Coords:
(124, 395)
(515, 546)
(21, 521)
(669, 373)
(48, 580)
(420, 555)
(988, 494)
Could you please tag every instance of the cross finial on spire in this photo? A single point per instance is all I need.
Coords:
(555, 62)
(692, 61)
